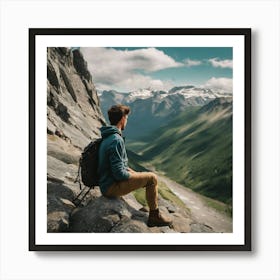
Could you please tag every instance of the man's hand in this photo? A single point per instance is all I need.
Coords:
(131, 170)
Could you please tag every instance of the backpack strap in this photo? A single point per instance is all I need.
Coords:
(78, 178)
(81, 195)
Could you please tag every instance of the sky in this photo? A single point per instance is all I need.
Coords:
(128, 69)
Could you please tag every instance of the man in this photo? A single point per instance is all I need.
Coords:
(116, 178)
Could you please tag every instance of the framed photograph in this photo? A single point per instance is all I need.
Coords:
(175, 175)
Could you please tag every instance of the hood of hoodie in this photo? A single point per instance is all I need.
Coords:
(108, 130)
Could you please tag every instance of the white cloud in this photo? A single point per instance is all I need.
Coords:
(118, 68)
(134, 82)
(227, 63)
(189, 62)
(219, 84)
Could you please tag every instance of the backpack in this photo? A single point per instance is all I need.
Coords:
(88, 168)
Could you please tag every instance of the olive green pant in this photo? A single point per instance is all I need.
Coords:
(136, 181)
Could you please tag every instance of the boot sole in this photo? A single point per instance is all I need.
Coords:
(160, 225)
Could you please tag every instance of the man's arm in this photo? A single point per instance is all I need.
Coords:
(119, 170)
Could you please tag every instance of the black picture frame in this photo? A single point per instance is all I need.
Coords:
(33, 164)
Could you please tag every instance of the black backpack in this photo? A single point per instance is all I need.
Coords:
(88, 168)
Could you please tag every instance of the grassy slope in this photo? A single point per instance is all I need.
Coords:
(164, 191)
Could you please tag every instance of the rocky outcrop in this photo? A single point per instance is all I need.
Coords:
(123, 215)
(73, 119)
(73, 105)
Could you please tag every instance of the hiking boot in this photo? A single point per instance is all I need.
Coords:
(157, 220)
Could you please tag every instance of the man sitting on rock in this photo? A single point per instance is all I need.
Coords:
(116, 178)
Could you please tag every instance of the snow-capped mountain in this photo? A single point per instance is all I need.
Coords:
(192, 91)
(188, 92)
(141, 93)
(152, 108)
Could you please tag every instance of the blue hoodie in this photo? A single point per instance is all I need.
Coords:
(113, 162)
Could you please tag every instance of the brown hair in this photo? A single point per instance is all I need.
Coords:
(116, 112)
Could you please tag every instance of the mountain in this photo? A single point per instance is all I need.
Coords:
(152, 108)
(195, 149)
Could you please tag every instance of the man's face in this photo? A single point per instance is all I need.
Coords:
(124, 122)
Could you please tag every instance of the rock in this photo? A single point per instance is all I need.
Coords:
(52, 75)
(131, 200)
(62, 171)
(100, 215)
(73, 103)
(60, 190)
(58, 221)
(80, 65)
(126, 225)
(199, 228)
(51, 128)
(181, 224)
(165, 204)
(63, 151)
(68, 203)
(59, 207)
(68, 84)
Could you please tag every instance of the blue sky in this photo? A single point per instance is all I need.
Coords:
(127, 69)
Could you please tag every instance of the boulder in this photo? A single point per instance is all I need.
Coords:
(117, 215)
(102, 215)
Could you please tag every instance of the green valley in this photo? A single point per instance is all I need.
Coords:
(195, 149)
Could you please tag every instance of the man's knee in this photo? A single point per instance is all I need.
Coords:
(154, 178)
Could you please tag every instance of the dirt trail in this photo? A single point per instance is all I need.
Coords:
(201, 212)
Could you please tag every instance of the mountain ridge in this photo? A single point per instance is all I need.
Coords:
(186, 91)
(151, 109)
